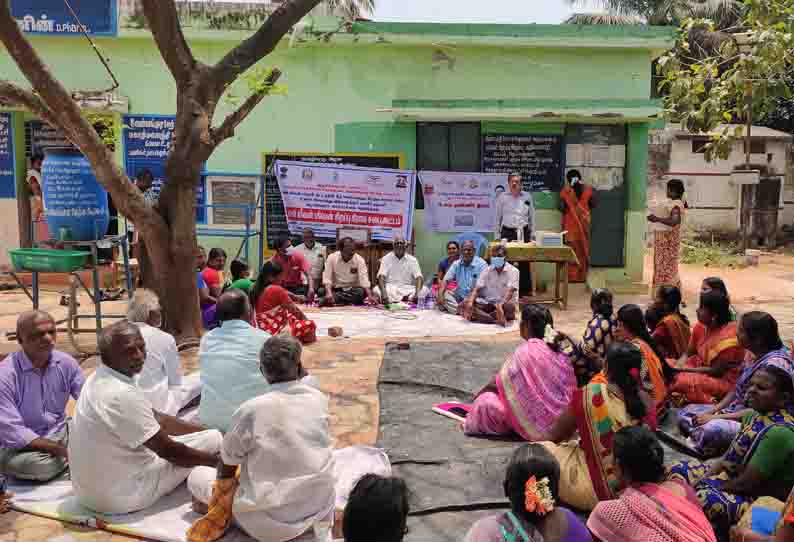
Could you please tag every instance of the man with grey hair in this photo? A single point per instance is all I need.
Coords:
(161, 378)
(35, 385)
(494, 298)
(281, 442)
(464, 273)
(515, 219)
(125, 456)
(399, 276)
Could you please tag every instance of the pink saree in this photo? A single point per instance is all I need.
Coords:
(534, 386)
(650, 513)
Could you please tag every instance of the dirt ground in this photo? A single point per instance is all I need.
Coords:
(348, 368)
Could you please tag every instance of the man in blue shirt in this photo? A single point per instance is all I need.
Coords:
(464, 272)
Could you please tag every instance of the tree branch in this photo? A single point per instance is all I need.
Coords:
(15, 95)
(226, 129)
(262, 43)
(166, 29)
(65, 114)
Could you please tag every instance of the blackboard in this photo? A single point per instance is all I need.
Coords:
(538, 158)
(276, 217)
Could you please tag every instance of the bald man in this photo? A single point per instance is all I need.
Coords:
(35, 385)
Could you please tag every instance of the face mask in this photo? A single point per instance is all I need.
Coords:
(498, 262)
(575, 181)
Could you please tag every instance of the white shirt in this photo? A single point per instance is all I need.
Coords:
(341, 274)
(400, 271)
(316, 257)
(495, 284)
(282, 444)
(514, 212)
(111, 469)
(162, 368)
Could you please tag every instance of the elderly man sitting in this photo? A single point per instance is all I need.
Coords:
(35, 385)
(161, 377)
(464, 274)
(346, 277)
(495, 296)
(280, 441)
(124, 455)
(399, 276)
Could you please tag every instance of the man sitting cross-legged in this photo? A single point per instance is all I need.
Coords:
(280, 441)
(495, 297)
(124, 456)
(399, 276)
(35, 385)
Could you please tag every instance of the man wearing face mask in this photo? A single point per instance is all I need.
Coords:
(515, 219)
(297, 279)
(161, 379)
(495, 297)
(576, 203)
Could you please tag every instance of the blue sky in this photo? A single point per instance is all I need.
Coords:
(475, 11)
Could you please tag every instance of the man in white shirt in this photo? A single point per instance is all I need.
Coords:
(315, 254)
(495, 297)
(399, 276)
(123, 455)
(281, 442)
(161, 378)
(346, 277)
(515, 220)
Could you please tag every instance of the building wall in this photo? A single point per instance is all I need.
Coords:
(334, 93)
(712, 196)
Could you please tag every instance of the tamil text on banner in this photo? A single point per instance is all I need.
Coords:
(147, 141)
(8, 181)
(461, 202)
(326, 197)
(95, 17)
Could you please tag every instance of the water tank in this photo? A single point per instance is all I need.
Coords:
(76, 206)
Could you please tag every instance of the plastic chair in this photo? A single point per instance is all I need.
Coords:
(480, 242)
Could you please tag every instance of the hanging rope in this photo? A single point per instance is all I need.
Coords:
(105, 62)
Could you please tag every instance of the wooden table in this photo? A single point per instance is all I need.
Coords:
(561, 257)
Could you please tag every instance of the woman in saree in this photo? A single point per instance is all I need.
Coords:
(533, 387)
(656, 375)
(532, 485)
(649, 509)
(712, 428)
(667, 236)
(716, 283)
(598, 335)
(711, 367)
(576, 203)
(598, 411)
(760, 460)
(275, 312)
(672, 332)
(207, 301)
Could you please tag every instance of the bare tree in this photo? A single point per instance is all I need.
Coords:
(169, 229)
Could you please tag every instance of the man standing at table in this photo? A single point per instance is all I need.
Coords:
(515, 220)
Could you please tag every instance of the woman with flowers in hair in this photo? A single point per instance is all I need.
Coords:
(598, 411)
(531, 484)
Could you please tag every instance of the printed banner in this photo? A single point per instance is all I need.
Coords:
(147, 140)
(461, 202)
(97, 17)
(326, 197)
(8, 178)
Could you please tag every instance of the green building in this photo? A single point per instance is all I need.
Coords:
(427, 92)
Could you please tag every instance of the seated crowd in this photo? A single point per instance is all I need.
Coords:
(589, 409)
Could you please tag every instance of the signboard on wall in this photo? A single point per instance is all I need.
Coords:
(538, 158)
(326, 197)
(233, 190)
(147, 140)
(97, 17)
(7, 173)
(276, 216)
(40, 136)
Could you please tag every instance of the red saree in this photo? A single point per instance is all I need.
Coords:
(576, 221)
(672, 335)
(273, 316)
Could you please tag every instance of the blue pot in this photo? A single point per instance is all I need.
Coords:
(75, 205)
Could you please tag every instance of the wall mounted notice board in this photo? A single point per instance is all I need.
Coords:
(276, 217)
(539, 158)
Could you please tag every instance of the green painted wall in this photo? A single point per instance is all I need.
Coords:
(334, 93)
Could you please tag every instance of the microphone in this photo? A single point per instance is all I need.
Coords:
(526, 202)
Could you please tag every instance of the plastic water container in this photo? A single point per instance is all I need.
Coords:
(76, 206)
